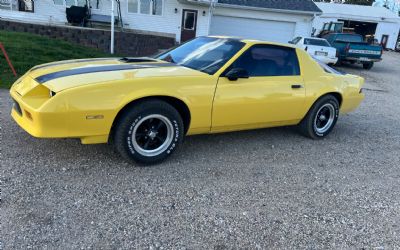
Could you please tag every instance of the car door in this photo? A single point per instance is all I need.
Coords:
(273, 94)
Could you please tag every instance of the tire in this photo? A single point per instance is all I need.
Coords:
(368, 66)
(148, 132)
(327, 107)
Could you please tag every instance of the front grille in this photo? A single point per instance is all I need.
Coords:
(17, 107)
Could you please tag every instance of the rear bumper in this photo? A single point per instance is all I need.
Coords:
(362, 60)
(351, 103)
(327, 60)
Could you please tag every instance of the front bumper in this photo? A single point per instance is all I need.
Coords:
(56, 120)
(36, 123)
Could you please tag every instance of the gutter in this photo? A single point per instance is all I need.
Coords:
(207, 3)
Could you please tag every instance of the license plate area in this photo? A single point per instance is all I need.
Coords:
(320, 53)
(364, 59)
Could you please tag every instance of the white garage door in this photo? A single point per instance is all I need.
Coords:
(274, 31)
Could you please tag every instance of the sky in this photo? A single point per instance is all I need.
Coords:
(394, 5)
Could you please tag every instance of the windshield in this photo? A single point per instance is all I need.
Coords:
(206, 54)
(316, 42)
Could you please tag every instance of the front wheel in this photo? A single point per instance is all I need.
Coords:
(148, 132)
(368, 65)
(321, 118)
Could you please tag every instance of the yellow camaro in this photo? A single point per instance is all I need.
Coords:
(145, 106)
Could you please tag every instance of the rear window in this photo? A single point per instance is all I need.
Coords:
(316, 42)
(350, 38)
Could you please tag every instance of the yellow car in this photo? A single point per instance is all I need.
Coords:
(145, 106)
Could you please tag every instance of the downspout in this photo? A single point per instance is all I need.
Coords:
(210, 13)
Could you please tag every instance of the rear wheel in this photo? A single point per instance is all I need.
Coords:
(368, 65)
(321, 118)
(149, 132)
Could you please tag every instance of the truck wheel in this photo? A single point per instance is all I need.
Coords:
(321, 118)
(368, 65)
(149, 132)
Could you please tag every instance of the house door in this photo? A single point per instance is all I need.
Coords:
(384, 41)
(189, 25)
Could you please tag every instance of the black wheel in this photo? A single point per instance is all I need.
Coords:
(368, 65)
(148, 132)
(321, 118)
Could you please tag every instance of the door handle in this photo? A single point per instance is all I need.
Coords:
(297, 86)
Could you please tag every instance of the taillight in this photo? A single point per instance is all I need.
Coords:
(347, 48)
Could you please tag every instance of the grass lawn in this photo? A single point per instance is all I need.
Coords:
(26, 50)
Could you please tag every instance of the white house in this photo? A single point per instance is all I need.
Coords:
(274, 20)
(378, 22)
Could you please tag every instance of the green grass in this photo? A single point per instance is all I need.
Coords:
(26, 50)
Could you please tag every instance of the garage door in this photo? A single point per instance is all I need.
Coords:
(248, 28)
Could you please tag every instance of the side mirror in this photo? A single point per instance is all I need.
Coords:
(291, 42)
(236, 73)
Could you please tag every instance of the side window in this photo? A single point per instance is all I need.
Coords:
(269, 60)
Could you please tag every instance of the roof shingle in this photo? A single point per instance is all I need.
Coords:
(294, 5)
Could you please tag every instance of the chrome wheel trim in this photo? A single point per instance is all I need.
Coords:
(324, 119)
(165, 144)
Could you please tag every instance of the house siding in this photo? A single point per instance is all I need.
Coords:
(303, 22)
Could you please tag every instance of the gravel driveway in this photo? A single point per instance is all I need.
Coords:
(268, 188)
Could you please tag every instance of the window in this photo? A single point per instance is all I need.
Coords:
(269, 60)
(17, 5)
(70, 2)
(133, 6)
(5, 4)
(350, 38)
(157, 7)
(148, 7)
(145, 6)
(205, 54)
(316, 42)
(189, 21)
(58, 2)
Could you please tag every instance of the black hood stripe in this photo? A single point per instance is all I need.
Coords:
(71, 62)
(88, 70)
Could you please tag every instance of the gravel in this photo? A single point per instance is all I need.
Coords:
(268, 188)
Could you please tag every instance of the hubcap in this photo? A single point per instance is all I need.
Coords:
(152, 135)
(324, 119)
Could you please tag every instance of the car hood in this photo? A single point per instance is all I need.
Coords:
(62, 75)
